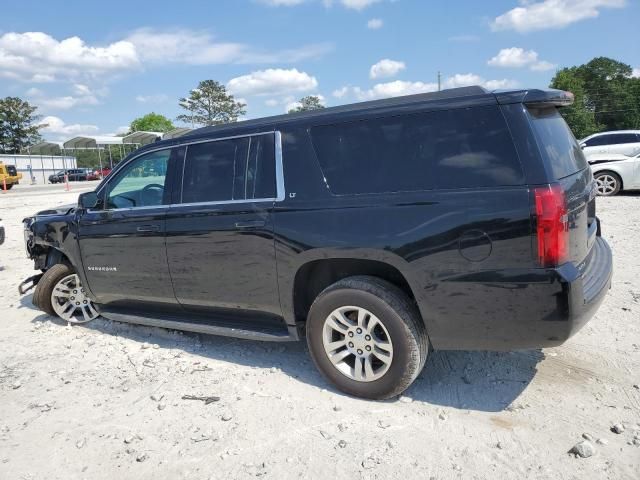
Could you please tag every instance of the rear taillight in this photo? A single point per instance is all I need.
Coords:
(551, 225)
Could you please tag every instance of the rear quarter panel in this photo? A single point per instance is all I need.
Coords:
(460, 251)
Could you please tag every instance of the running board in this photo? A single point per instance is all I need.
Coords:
(222, 327)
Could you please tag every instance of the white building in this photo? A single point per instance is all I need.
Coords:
(37, 168)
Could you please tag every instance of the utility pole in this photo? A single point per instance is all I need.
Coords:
(439, 77)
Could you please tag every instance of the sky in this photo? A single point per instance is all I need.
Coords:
(92, 67)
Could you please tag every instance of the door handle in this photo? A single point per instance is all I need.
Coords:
(251, 224)
(148, 228)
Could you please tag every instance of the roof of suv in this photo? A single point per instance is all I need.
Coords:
(460, 97)
(610, 131)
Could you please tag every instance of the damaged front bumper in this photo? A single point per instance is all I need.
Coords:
(29, 283)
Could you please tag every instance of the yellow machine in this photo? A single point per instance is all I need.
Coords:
(9, 176)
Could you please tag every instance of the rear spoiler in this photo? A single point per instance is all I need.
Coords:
(536, 98)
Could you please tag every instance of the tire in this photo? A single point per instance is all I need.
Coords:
(608, 184)
(43, 295)
(400, 323)
(9, 186)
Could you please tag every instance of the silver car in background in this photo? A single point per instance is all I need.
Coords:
(614, 172)
(623, 142)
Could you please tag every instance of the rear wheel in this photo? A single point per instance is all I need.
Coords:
(366, 337)
(607, 183)
(60, 293)
(9, 186)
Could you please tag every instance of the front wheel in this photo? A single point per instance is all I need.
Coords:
(366, 337)
(60, 293)
(607, 183)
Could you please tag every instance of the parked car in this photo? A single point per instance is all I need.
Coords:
(9, 176)
(461, 219)
(74, 174)
(624, 142)
(93, 175)
(102, 172)
(614, 173)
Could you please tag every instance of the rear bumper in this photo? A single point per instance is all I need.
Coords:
(519, 309)
(587, 285)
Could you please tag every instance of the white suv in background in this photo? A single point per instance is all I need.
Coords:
(624, 142)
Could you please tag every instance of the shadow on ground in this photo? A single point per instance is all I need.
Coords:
(483, 381)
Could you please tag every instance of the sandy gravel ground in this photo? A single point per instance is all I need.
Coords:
(104, 400)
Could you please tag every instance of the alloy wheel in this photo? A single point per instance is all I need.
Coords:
(606, 184)
(70, 302)
(357, 343)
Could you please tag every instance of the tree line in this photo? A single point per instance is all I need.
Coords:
(607, 97)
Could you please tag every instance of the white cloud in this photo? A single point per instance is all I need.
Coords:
(272, 81)
(393, 89)
(81, 95)
(499, 84)
(516, 57)
(543, 66)
(57, 126)
(551, 14)
(400, 87)
(386, 68)
(375, 24)
(271, 102)
(352, 4)
(200, 48)
(340, 92)
(636, 72)
(470, 79)
(154, 98)
(38, 57)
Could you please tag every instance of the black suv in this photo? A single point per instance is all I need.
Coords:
(74, 175)
(462, 219)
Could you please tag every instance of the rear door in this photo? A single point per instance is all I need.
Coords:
(567, 166)
(220, 243)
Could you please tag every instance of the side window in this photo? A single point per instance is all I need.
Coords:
(462, 148)
(624, 138)
(261, 168)
(601, 140)
(213, 171)
(141, 183)
(226, 170)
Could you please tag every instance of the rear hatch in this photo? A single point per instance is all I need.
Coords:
(569, 169)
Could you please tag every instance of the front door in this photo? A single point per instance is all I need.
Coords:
(220, 243)
(123, 240)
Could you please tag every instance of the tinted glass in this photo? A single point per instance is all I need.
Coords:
(261, 168)
(141, 183)
(214, 171)
(557, 143)
(624, 138)
(235, 169)
(461, 148)
(599, 140)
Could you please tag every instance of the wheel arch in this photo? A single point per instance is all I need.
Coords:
(313, 276)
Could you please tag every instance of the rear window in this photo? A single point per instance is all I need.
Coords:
(462, 148)
(557, 143)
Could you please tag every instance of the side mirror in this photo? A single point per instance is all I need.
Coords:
(88, 200)
(583, 145)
